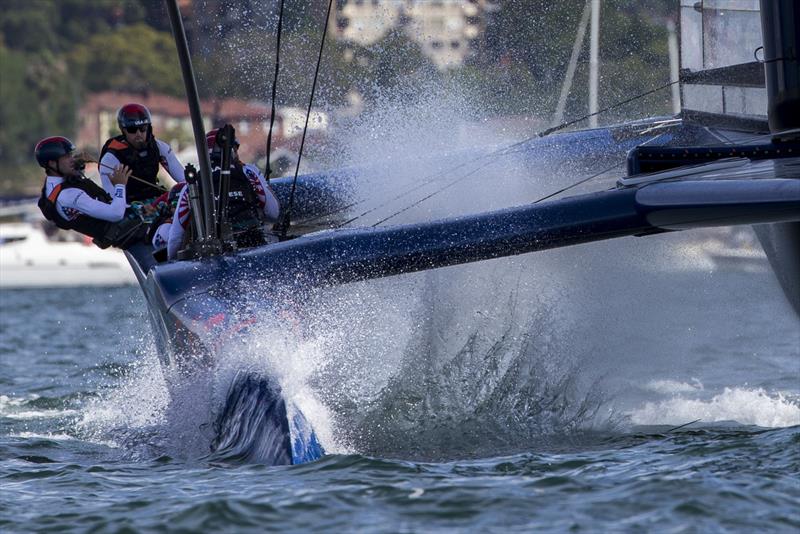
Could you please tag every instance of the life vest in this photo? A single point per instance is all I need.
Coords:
(120, 234)
(143, 165)
(245, 214)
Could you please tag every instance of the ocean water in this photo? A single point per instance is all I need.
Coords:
(624, 386)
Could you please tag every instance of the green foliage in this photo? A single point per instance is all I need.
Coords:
(56, 25)
(240, 67)
(38, 97)
(26, 27)
(45, 49)
(633, 54)
(132, 59)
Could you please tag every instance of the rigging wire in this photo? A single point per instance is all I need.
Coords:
(420, 184)
(288, 218)
(609, 108)
(461, 178)
(423, 199)
(579, 182)
(268, 169)
(504, 151)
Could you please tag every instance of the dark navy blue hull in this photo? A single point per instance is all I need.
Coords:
(256, 423)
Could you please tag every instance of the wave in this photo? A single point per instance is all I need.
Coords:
(673, 386)
(34, 407)
(742, 405)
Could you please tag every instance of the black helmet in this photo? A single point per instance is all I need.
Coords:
(52, 148)
(131, 115)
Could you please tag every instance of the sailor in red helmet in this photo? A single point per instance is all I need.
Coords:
(252, 206)
(139, 150)
(73, 202)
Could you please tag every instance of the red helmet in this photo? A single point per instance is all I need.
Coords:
(211, 140)
(131, 115)
(52, 148)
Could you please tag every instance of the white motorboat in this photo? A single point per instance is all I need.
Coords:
(35, 256)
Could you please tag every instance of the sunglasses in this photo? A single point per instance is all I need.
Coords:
(134, 129)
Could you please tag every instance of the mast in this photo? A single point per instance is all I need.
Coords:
(208, 240)
(674, 65)
(594, 62)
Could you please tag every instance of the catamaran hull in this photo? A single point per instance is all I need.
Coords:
(197, 306)
(256, 422)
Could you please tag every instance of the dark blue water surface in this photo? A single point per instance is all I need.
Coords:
(552, 406)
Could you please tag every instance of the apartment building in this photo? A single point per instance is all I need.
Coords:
(444, 29)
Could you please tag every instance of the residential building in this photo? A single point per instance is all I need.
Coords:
(444, 29)
(365, 22)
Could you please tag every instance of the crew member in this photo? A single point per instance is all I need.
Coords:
(251, 208)
(73, 202)
(141, 152)
(164, 208)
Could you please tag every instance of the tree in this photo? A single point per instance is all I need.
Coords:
(37, 97)
(131, 59)
(26, 28)
(39, 25)
(538, 37)
(40, 89)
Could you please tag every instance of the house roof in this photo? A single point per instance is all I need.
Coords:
(168, 106)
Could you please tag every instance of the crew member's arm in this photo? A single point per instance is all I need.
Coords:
(107, 164)
(170, 161)
(266, 198)
(73, 199)
(180, 222)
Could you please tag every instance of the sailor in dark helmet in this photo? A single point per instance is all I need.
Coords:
(252, 206)
(138, 148)
(73, 202)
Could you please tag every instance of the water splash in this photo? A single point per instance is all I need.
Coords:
(743, 405)
(454, 379)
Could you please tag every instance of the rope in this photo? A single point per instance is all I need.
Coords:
(773, 60)
(461, 178)
(268, 170)
(142, 180)
(288, 218)
(683, 425)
